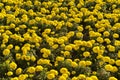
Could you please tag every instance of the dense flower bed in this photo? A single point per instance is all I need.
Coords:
(59, 40)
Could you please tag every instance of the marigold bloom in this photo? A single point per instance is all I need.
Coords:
(38, 68)
(18, 71)
(68, 47)
(81, 76)
(59, 58)
(94, 77)
(31, 70)
(108, 67)
(112, 78)
(86, 54)
(82, 63)
(9, 73)
(50, 76)
(13, 65)
(62, 78)
(117, 62)
(63, 70)
(6, 52)
(74, 64)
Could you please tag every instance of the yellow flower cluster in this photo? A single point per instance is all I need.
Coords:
(59, 39)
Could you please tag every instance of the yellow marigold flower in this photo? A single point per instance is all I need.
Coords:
(65, 75)
(62, 45)
(80, 28)
(59, 58)
(76, 60)
(50, 76)
(7, 8)
(115, 35)
(40, 61)
(68, 60)
(107, 40)
(111, 48)
(70, 34)
(117, 43)
(115, 69)
(94, 77)
(73, 72)
(33, 58)
(66, 53)
(99, 57)
(100, 15)
(106, 33)
(96, 49)
(47, 31)
(62, 78)
(25, 51)
(55, 46)
(43, 10)
(101, 63)
(106, 59)
(10, 73)
(6, 52)
(27, 58)
(37, 44)
(117, 62)
(79, 35)
(82, 76)
(82, 49)
(69, 24)
(38, 68)
(88, 63)
(8, 32)
(68, 48)
(17, 48)
(55, 72)
(86, 54)
(75, 78)
(63, 70)
(100, 52)
(18, 71)
(89, 78)
(114, 6)
(18, 56)
(111, 61)
(5, 40)
(89, 44)
(45, 55)
(118, 54)
(17, 29)
(1, 16)
(3, 45)
(23, 26)
(22, 76)
(74, 64)
(112, 78)
(60, 41)
(23, 57)
(94, 72)
(100, 40)
(108, 67)
(46, 61)
(15, 78)
(82, 63)
(77, 20)
(31, 70)
(13, 65)
(21, 39)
